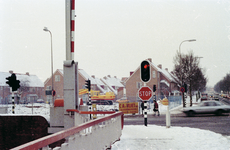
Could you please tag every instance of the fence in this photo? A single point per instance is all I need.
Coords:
(96, 134)
(174, 101)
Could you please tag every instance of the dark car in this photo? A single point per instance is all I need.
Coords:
(204, 98)
(101, 102)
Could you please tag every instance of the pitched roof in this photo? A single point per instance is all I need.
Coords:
(163, 71)
(112, 81)
(34, 81)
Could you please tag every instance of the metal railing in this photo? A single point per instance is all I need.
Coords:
(96, 134)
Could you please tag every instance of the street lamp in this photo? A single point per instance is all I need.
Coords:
(46, 29)
(191, 40)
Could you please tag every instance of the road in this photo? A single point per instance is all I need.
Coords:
(218, 124)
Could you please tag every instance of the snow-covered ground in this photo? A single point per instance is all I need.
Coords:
(152, 137)
(155, 137)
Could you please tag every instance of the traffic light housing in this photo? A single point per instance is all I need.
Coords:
(154, 88)
(185, 87)
(145, 71)
(13, 82)
(88, 84)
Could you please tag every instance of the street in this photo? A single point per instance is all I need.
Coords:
(217, 124)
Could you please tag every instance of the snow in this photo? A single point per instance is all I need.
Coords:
(152, 137)
(33, 80)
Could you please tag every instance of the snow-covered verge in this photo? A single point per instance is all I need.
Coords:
(155, 137)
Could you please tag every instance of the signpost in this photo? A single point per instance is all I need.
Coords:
(182, 89)
(145, 93)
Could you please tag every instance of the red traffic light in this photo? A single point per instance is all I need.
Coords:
(145, 71)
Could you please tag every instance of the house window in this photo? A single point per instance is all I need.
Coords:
(139, 84)
(154, 74)
(48, 87)
(57, 78)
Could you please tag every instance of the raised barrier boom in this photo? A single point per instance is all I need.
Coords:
(96, 134)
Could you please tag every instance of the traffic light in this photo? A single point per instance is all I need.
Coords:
(145, 71)
(185, 87)
(9, 82)
(13, 82)
(88, 84)
(154, 88)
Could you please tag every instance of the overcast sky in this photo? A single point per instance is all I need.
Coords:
(112, 37)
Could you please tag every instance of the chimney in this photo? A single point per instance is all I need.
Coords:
(93, 76)
(115, 76)
(105, 77)
(150, 59)
(172, 73)
(160, 66)
(167, 69)
(11, 72)
(27, 73)
(131, 72)
(109, 76)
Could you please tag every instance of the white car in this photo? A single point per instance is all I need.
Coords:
(207, 107)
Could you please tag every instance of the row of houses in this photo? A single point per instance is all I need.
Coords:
(164, 80)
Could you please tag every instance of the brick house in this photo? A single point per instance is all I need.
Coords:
(31, 88)
(165, 82)
(58, 79)
(57, 83)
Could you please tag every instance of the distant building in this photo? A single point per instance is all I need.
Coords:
(32, 88)
(164, 80)
(107, 84)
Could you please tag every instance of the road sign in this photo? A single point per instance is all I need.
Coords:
(182, 89)
(145, 93)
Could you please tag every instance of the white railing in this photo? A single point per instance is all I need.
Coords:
(96, 134)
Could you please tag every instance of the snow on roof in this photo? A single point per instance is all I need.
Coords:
(114, 81)
(165, 82)
(164, 72)
(34, 81)
(61, 71)
(94, 80)
(109, 86)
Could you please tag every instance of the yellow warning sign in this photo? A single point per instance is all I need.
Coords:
(129, 108)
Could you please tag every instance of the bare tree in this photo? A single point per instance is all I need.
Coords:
(24, 87)
(187, 70)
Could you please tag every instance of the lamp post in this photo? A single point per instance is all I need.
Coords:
(46, 29)
(191, 40)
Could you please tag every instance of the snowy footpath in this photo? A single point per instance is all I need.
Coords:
(152, 137)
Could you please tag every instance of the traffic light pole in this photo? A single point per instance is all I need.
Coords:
(90, 105)
(12, 97)
(145, 111)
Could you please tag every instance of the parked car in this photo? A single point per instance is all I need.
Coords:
(204, 98)
(207, 107)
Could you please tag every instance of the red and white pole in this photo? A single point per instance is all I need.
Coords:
(70, 23)
(72, 27)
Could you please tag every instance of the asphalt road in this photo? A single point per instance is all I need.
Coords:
(218, 124)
